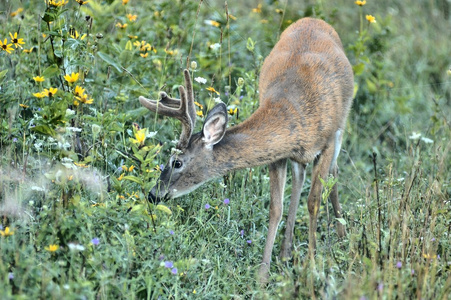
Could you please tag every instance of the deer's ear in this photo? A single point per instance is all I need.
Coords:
(215, 125)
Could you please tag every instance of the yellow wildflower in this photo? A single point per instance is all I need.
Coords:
(28, 51)
(200, 113)
(6, 232)
(5, 46)
(213, 23)
(124, 168)
(57, 3)
(169, 52)
(81, 165)
(23, 105)
(39, 78)
(132, 37)
(144, 55)
(360, 3)
(81, 2)
(233, 111)
(212, 89)
(52, 248)
(120, 26)
(198, 104)
(140, 137)
(84, 99)
(16, 12)
(79, 91)
(72, 77)
(15, 40)
(75, 35)
(39, 95)
(49, 92)
(258, 9)
(124, 2)
(370, 19)
(131, 168)
(120, 177)
(132, 18)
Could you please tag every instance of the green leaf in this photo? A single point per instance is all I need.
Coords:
(250, 45)
(358, 69)
(164, 209)
(109, 60)
(3, 74)
(341, 220)
(134, 179)
(44, 129)
(51, 71)
(372, 88)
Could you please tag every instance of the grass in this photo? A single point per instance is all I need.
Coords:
(72, 175)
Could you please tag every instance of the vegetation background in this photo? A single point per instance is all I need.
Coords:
(79, 155)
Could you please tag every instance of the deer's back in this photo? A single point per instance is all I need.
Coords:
(307, 80)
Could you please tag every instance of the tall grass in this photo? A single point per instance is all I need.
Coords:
(75, 177)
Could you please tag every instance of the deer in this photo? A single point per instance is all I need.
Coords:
(306, 89)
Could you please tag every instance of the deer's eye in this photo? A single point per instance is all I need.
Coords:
(177, 164)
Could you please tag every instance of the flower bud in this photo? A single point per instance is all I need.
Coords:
(240, 81)
(193, 65)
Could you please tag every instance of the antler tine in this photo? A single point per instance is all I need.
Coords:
(190, 97)
(182, 109)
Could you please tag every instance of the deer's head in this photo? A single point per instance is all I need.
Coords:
(192, 162)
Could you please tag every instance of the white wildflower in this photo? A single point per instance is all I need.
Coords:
(215, 46)
(415, 136)
(200, 80)
(427, 140)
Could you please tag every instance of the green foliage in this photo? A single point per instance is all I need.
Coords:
(79, 154)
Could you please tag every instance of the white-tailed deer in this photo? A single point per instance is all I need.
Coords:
(306, 86)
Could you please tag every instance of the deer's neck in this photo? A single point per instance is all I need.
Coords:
(257, 141)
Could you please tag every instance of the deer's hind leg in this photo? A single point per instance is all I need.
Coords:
(298, 177)
(321, 168)
(341, 231)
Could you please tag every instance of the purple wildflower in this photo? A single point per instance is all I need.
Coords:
(168, 264)
(174, 271)
(226, 201)
(399, 265)
(95, 241)
(380, 287)
(161, 167)
(412, 271)
(242, 232)
(433, 240)
(207, 206)
(14, 140)
(171, 232)
(10, 275)
(249, 242)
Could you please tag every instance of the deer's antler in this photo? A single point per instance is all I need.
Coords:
(182, 109)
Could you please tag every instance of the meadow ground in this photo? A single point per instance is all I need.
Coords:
(79, 154)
